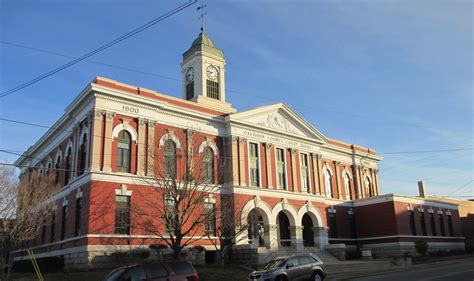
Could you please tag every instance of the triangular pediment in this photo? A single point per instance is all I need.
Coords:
(281, 118)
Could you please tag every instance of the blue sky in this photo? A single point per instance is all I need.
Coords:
(392, 75)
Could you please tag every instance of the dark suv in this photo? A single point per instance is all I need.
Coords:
(158, 271)
(292, 268)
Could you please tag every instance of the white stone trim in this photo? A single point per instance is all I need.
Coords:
(313, 212)
(208, 143)
(125, 126)
(403, 199)
(170, 136)
(84, 131)
(65, 202)
(79, 193)
(289, 211)
(123, 191)
(256, 203)
(59, 154)
(71, 146)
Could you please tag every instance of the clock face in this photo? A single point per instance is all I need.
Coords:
(190, 74)
(212, 72)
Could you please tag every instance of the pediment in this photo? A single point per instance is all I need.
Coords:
(281, 118)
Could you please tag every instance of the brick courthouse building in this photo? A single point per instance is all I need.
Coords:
(303, 189)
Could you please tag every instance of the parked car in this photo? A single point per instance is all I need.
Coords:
(158, 271)
(292, 268)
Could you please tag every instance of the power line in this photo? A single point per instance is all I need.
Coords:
(167, 77)
(101, 48)
(460, 188)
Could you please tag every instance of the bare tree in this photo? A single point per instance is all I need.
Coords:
(22, 208)
(229, 230)
(181, 204)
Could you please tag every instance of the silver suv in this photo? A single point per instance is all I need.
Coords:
(292, 268)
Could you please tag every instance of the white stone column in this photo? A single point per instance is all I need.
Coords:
(89, 141)
(109, 122)
(293, 154)
(272, 236)
(75, 157)
(235, 161)
(338, 179)
(321, 237)
(141, 146)
(296, 232)
(96, 139)
(242, 159)
(150, 159)
(268, 148)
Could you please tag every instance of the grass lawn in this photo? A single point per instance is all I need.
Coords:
(206, 273)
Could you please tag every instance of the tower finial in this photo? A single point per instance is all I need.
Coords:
(202, 15)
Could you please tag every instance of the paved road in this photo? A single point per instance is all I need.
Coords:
(456, 271)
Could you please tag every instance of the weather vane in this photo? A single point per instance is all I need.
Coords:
(202, 15)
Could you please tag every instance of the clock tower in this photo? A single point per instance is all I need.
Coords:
(203, 74)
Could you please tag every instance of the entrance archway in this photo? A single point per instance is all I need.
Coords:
(284, 229)
(308, 233)
(256, 228)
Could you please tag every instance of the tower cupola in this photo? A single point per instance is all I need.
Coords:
(203, 74)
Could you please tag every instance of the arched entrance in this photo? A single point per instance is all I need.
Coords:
(308, 233)
(284, 229)
(256, 228)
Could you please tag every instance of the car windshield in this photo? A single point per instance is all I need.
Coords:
(274, 264)
(114, 275)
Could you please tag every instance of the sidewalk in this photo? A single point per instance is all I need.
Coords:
(393, 269)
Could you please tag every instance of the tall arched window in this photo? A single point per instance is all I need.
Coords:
(68, 165)
(57, 167)
(347, 185)
(169, 164)
(368, 187)
(208, 165)
(327, 182)
(82, 155)
(124, 151)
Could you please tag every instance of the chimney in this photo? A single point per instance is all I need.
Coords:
(422, 189)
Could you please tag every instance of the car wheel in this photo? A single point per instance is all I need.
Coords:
(281, 278)
(317, 276)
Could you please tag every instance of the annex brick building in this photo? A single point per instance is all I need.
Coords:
(301, 188)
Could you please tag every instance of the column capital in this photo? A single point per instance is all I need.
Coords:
(337, 163)
(99, 113)
(293, 150)
(235, 139)
(268, 145)
(318, 155)
(241, 140)
(142, 121)
(151, 123)
(110, 115)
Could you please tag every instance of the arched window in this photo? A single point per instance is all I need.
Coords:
(327, 182)
(82, 155)
(48, 168)
(347, 185)
(368, 187)
(208, 165)
(124, 151)
(57, 167)
(169, 164)
(68, 165)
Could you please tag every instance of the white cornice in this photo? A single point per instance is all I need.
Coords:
(403, 199)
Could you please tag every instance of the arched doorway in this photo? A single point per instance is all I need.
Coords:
(308, 233)
(256, 228)
(284, 230)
